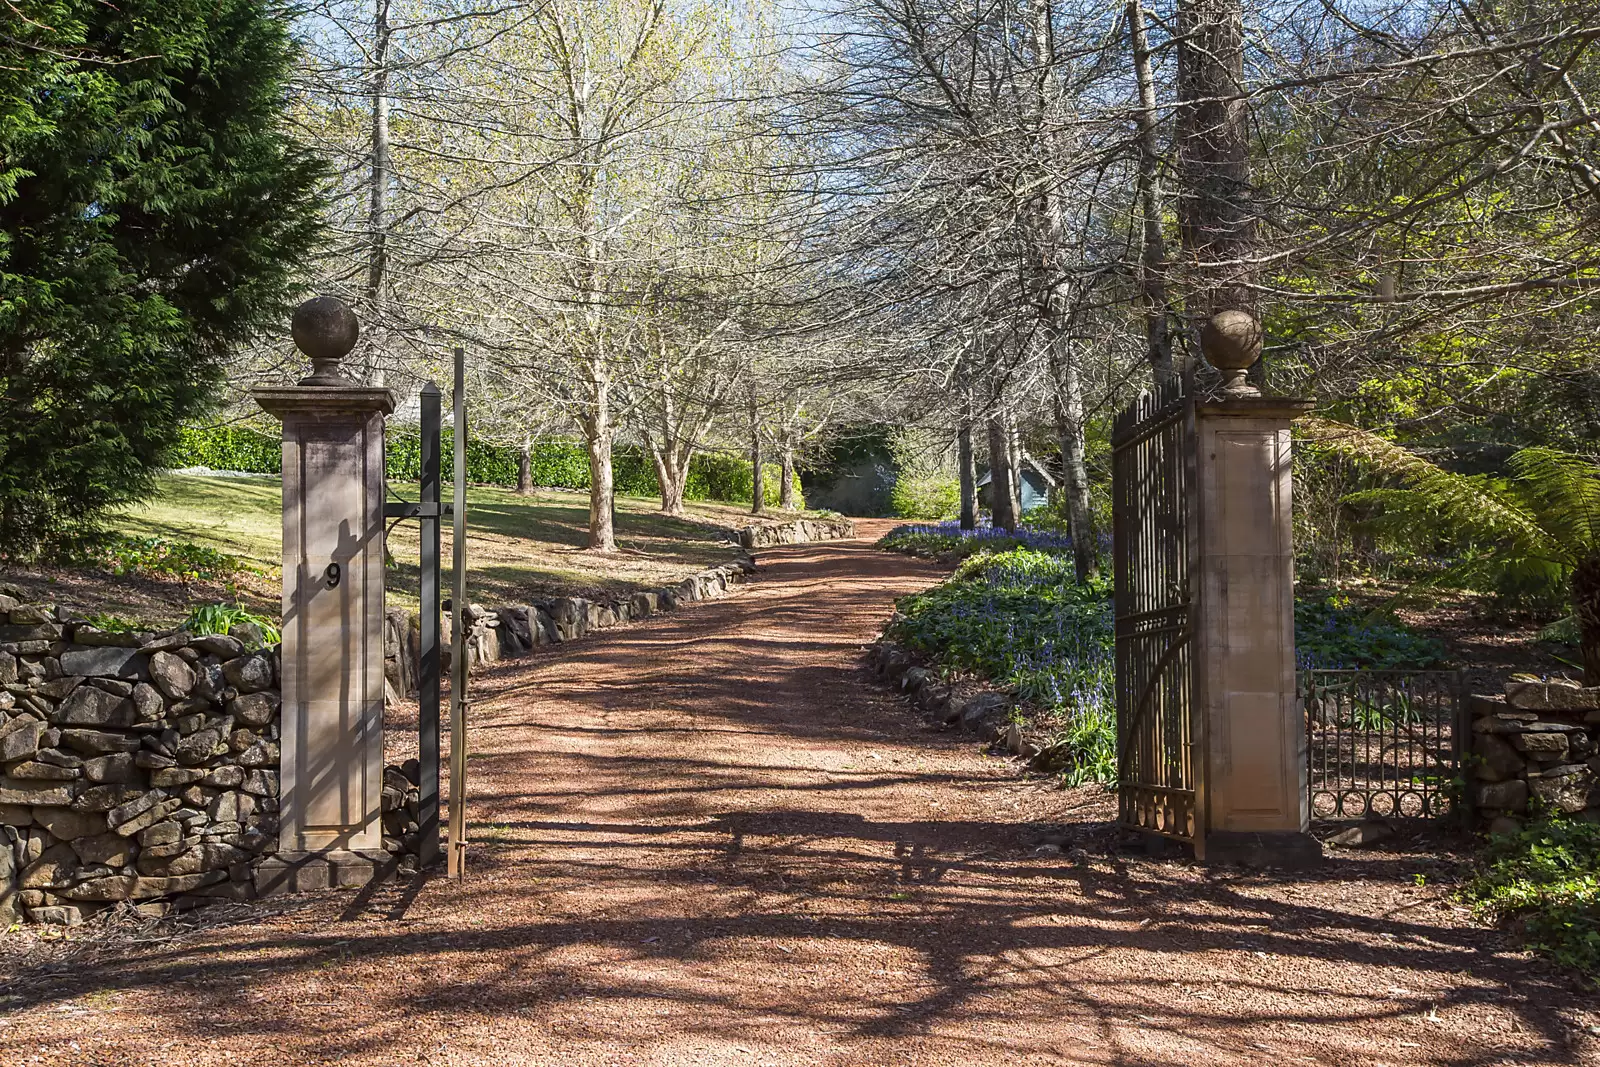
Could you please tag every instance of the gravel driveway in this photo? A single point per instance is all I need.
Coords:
(710, 839)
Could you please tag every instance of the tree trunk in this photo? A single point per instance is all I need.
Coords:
(672, 477)
(758, 484)
(1014, 460)
(1000, 476)
(525, 465)
(378, 202)
(1153, 253)
(786, 490)
(1075, 473)
(969, 477)
(1586, 607)
(1216, 205)
(602, 496)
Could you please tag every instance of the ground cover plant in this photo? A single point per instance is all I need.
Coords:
(1013, 613)
(1546, 878)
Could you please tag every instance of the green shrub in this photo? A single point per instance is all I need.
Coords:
(1548, 876)
(925, 496)
(554, 463)
(154, 556)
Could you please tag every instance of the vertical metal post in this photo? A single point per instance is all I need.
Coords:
(428, 658)
(456, 860)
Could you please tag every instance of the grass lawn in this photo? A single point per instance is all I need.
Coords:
(518, 548)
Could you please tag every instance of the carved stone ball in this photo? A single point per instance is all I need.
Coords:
(326, 330)
(1231, 340)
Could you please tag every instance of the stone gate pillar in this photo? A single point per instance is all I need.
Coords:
(333, 613)
(1255, 737)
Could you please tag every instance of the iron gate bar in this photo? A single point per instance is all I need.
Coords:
(1384, 743)
(429, 510)
(1159, 745)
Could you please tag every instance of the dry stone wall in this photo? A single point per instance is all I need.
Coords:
(799, 531)
(142, 769)
(515, 630)
(1533, 749)
(134, 767)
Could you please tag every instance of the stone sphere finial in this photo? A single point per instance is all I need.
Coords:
(1231, 341)
(325, 329)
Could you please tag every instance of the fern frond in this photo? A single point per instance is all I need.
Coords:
(1565, 491)
(1473, 508)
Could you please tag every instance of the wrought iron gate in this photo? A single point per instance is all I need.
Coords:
(1159, 752)
(1384, 743)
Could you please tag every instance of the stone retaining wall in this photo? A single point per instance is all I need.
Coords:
(142, 768)
(798, 531)
(137, 767)
(1533, 748)
(514, 630)
(984, 712)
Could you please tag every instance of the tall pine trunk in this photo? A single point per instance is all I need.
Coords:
(786, 489)
(758, 482)
(525, 465)
(1153, 251)
(598, 433)
(969, 477)
(1001, 501)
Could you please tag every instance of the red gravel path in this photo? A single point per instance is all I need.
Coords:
(711, 840)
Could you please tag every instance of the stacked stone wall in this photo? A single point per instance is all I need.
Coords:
(498, 633)
(134, 767)
(1533, 749)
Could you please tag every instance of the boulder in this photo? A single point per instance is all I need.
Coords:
(981, 707)
(95, 707)
(69, 825)
(1510, 795)
(1566, 793)
(172, 675)
(19, 738)
(1542, 746)
(161, 833)
(261, 783)
(35, 794)
(9, 893)
(118, 768)
(8, 668)
(113, 850)
(249, 674)
(227, 776)
(222, 646)
(147, 703)
(43, 772)
(114, 686)
(105, 797)
(1368, 833)
(1498, 760)
(254, 709)
(132, 887)
(203, 856)
(198, 746)
(105, 662)
(54, 867)
(209, 683)
(98, 742)
(1557, 695)
(56, 915)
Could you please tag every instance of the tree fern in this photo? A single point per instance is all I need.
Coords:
(1539, 528)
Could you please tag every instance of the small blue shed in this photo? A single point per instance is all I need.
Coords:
(1036, 485)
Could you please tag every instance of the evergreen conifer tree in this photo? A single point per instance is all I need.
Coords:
(153, 214)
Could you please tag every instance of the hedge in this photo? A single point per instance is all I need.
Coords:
(556, 464)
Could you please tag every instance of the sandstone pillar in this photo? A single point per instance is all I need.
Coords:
(333, 613)
(1254, 734)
